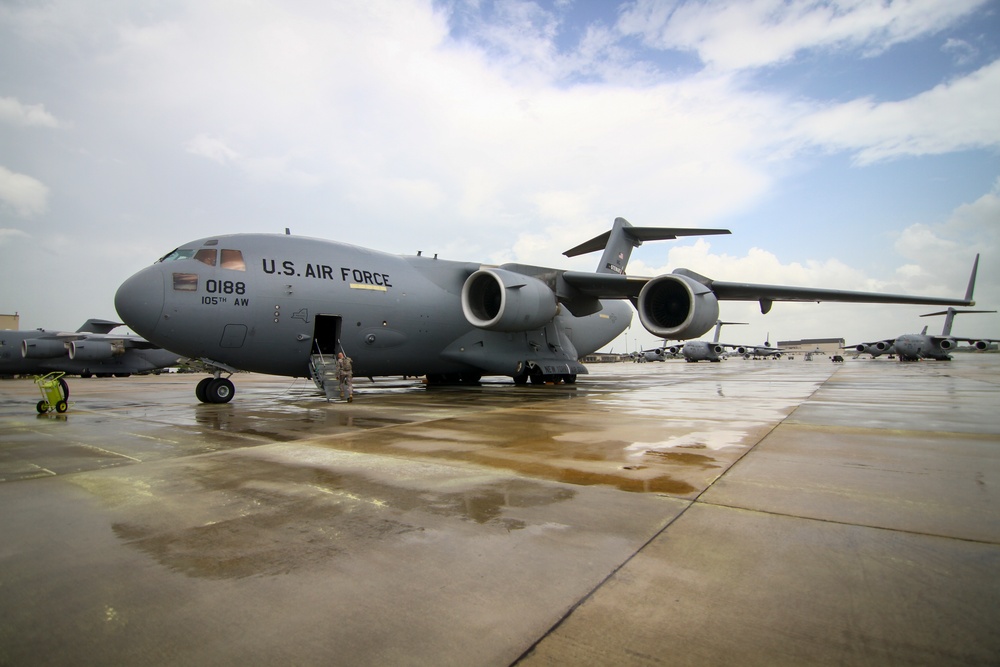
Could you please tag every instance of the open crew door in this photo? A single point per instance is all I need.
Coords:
(326, 335)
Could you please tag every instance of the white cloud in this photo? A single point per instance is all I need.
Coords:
(27, 196)
(745, 34)
(950, 117)
(13, 112)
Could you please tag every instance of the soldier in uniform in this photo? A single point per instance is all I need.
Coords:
(345, 375)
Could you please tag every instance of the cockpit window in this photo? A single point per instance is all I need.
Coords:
(180, 253)
(233, 260)
(206, 256)
(186, 282)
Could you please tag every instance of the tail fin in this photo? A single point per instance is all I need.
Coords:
(623, 237)
(952, 312)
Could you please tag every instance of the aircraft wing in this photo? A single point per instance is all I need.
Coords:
(611, 286)
(127, 341)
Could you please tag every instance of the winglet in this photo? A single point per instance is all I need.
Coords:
(623, 237)
(972, 282)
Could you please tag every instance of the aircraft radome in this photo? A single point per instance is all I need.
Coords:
(280, 304)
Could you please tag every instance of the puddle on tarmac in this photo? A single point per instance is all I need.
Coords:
(235, 518)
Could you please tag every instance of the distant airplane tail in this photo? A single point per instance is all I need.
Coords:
(623, 237)
(718, 328)
(949, 318)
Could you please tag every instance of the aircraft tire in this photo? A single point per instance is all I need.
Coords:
(570, 379)
(220, 390)
(201, 389)
(520, 379)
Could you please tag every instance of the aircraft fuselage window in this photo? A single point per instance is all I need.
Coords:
(233, 260)
(206, 256)
(179, 253)
(186, 282)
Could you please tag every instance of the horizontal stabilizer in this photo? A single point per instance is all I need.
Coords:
(639, 234)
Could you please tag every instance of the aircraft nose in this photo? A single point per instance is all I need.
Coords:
(139, 301)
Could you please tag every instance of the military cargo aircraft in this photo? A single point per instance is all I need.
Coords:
(703, 350)
(90, 350)
(913, 347)
(282, 304)
(760, 351)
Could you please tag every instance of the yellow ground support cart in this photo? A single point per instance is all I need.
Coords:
(54, 393)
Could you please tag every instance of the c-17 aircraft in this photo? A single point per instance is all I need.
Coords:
(759, 351)
(703, 350)
(90, 350)
(912, 347)
(268, 303)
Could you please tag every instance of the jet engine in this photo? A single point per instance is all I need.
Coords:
(980, 344)
(500, 300)
(947, 344)
(94, 350)
(42, 348)
(676, 306)
(742, 350)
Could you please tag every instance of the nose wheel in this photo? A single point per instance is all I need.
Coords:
(215, 390)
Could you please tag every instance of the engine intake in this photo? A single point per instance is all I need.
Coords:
(676, 306)
(501, 300)
(42, 348)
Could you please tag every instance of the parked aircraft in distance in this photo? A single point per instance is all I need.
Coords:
(90, 350)
(661, 353)
(268, 303)
(761, 351)
(912, 347)
(702, 350)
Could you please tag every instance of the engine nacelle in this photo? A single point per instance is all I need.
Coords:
(718, 349)
(95, 350)
(742, 350)
(42, 348)
(676, 306)
(501, 300)
(980, 344)
(947, 344)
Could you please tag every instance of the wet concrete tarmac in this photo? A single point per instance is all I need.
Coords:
(768, 512)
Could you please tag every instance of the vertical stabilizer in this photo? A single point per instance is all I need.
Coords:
(618, 248)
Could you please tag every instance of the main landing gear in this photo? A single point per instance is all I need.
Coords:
(215, 390)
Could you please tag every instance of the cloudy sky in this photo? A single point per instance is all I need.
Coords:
(851, 144)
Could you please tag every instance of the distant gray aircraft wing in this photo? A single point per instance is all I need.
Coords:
(128, 341)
